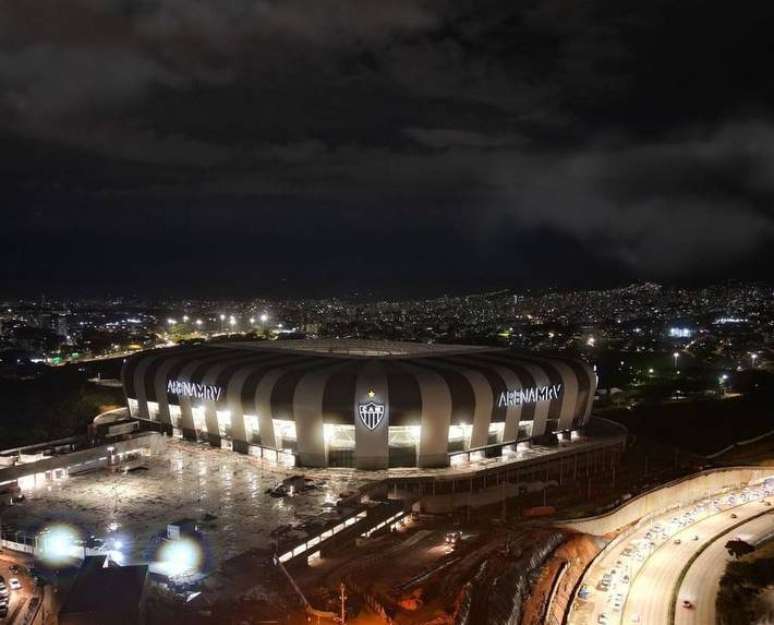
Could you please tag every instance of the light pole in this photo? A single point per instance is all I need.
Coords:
(753, 358)
(676, 356)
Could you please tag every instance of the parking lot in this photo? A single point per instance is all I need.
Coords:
(224, 491)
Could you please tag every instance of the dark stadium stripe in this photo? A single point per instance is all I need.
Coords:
(404, 395)
(495, 381)
(462, 394)
(284, 390)
(520, 368)
(586, 378)
(339, 395)
(435, 416)
(276, 360)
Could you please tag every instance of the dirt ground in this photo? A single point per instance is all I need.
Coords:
(570, 560)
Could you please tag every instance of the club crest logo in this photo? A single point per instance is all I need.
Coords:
(371, 414)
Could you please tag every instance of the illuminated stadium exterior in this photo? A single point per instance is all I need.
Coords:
(367, 404)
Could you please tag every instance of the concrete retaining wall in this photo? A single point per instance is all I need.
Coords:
(681, 491)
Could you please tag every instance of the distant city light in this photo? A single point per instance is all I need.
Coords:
(725, 320)
(185, 318)
(681, 333)
(198, 322)
(171, 321)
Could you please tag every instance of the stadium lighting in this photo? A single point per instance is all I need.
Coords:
(180, 557)
(58, 544)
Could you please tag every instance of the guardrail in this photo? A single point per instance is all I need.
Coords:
(647, 504)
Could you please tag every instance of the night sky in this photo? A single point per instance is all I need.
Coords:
(401, 147)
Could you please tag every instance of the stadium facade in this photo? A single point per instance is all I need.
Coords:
(367, 404)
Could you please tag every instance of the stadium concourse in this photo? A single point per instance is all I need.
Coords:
(355, 403)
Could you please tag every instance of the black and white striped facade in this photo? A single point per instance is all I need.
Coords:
(357, 403)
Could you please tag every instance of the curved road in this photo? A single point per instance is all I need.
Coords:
(633, 580)
(651, 592)
(702, 582)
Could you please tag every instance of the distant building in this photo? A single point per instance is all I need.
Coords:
(104, 594)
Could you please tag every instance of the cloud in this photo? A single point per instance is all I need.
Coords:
(592, 120)
(665, 208)
(44, 82)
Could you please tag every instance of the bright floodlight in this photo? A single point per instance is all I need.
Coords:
(180, 557)
(58, 544)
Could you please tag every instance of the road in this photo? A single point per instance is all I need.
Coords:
(17, 598)
(702, 581)
(633, 580)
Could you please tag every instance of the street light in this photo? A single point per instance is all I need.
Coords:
(264, 318)
(185, 318)
(676, 355)
(171, 321)
(199, 322)
(753, 358)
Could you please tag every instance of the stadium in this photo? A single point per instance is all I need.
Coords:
(356, 403)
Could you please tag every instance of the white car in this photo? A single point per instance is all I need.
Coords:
(14, 583)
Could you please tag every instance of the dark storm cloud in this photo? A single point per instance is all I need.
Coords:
(640, 132)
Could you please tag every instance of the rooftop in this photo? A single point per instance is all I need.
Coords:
(359, 348)
(100, 589)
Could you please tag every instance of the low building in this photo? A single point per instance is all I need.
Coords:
(103, 593)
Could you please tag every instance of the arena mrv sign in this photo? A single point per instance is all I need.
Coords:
(194, 390)
(530, 395)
